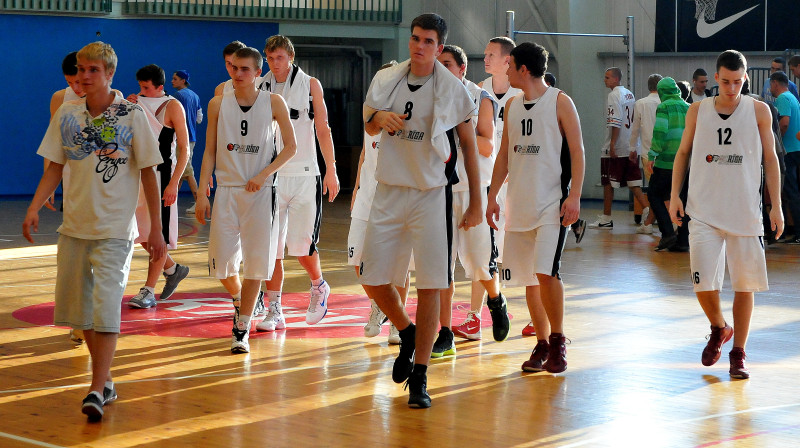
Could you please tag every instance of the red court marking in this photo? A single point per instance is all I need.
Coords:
(192, 228)
(209, 315)
(747, 436)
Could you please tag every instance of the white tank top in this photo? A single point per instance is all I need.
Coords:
(535, 166)
(407, 158)
(304, 162)
(485, 164)
(500, 119)
(245, 140)
(70, 95)
(156, 117)
(367, 182)
(725, 175)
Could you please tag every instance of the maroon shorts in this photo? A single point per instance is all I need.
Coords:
(620, 172)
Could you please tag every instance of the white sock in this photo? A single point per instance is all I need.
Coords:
(152, 290)
(274, 296)
(317, 282)
(171, 270)
(109, 384)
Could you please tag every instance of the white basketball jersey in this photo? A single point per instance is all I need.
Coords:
(500, 119)
(535, 144)
(245, 140)
(725, 175)
(304, 162)
(156, 117)
(407, 158)
(367, 182)
(485, 164)
(70, 95)
(619, 114)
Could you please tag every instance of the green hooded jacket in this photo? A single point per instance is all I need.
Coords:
(670, 123)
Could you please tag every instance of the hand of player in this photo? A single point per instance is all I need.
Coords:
(51, 202)
(156, 245)
(648, 167)
(170, 194)
(330, 185)
(389, 121)
(255, 183)
(202, 209)
(472, 217)
(570, 210)
(633, 156)
(492, 213)
(31, 222)
(612, 152)
(776, 218)
(676, 212)
(133, 98)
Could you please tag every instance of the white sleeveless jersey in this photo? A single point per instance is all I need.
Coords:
(304, 162)
(619, 114)
(70, 95)
(150, 106)
(535, 182)
(245, 140)
(367, 182)
(485, 164)
(407, 158)
(500, 119)
(725, 175)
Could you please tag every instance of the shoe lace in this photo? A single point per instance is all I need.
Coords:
(316, 296)
(274, 312)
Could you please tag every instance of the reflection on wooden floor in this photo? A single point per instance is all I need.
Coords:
(634, 376)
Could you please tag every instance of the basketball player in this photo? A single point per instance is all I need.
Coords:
(410, 209)
(727, 140)
(541, 154)
(475, 247)
(108, 145)
(227, 55)
(168, 122)
(300, 186)
(240, 149)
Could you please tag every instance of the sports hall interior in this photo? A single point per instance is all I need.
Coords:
(636, 330)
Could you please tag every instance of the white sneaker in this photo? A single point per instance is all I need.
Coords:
(318, 303)
(274, 320)
(240, 340)
(603, 222)
(645, 214)
(144, 299)
(645, 229)
(376, 320)
(394, 335)
(190, 210)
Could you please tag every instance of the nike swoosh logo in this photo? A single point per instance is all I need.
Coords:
(706, 30)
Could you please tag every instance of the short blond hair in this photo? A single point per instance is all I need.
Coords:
(277, 42)
(99, 51)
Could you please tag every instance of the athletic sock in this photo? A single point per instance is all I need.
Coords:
(152, 290)
(274, 296)
(317, 282)
(407, 332)
(109, 384)
(171, 270)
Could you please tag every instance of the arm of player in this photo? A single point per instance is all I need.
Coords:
(358, 174)
(47, 185)
(175, 117)
(218, 92)
(485, 129)
(772, 170)
(570, 125)
(280, 113)
(636, 129)
(202, 208)
(199, 115)
(55, 102)
(469, 149)
(330, 184)
(499, 175)
(783, 123)
(681, 164)
(612, 149)
(376, 121)
(155, 241)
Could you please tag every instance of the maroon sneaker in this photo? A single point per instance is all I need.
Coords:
(716, 339)
(557, 354)
(538, 357)
(738, 369)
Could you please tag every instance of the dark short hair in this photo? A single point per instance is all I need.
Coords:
(794, 61)
(152, 73)
(458, 54)
(685, 88)
(731, 60)
(781, 61)
(252, 53)
(69, 66)
(506, 44)
(232, 47)
(550, 79)
(533, 56)
(698, 73)
(780, 78)
(652, 82)
(746, 85)
(432, 21)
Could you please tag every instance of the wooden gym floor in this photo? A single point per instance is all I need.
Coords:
(634, 376)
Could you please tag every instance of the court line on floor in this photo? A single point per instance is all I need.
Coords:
(28, 441)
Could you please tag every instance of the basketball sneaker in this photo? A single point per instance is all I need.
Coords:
(375, 322)
(93, 406)
(171, 281)
(718, 337)
(144, 299)
(603, 222)
(318, 303)
(405, 359)
(260, 309)
(499, 311)
(538, 357)
(557, 354)
(109, 394)
(394, 335)
(529, 330)
(470, 328)
(417, 386)
(274, 319)
(240, 340)
(579, 228)
(645, 229)
(190, 210)
(76, 336)
(444, 345)
(738, 369)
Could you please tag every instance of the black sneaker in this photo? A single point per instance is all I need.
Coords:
(444, 345)
(579, 228)
(499, 311)
(417, 386)
(405, 360)
(109, 395)
(667, 242)
(171, 281)
(260, 309)
(93, 406)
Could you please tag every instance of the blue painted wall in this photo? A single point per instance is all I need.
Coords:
(35, 45)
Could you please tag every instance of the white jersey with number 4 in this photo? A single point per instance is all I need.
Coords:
(501, 101)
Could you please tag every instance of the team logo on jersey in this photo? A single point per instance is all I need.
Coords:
(243, 149)
(530, 149)
(731, 159)
(412, 135)
(375, 145)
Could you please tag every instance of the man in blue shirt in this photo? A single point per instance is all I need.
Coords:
(778, 65)
(789, 122)
(194, 116)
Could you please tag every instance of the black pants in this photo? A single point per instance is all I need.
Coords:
(659, 190)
